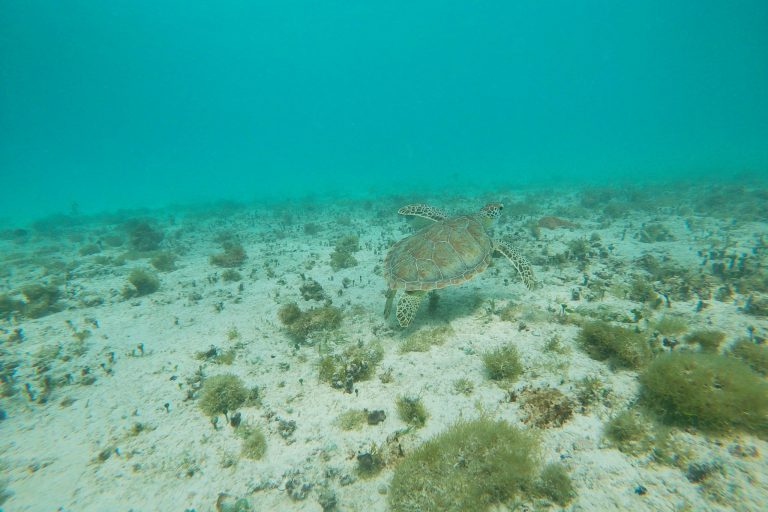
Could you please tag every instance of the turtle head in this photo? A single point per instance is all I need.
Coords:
(491, 211)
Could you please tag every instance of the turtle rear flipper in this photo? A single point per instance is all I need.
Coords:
(518, 262)
(423, 210)
(407, 306)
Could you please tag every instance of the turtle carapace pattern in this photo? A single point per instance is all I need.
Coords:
(447, 252)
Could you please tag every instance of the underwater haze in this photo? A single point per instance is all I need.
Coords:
(437, 256)
(109, 105)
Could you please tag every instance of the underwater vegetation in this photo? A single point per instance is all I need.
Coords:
(470, 467)
(311, 228)
(9, 305)
(463, 386)
(503, 363)
(669, 325)
(370, 462)
(355, 363)
(594, 198)
(216, 355)
(302, 324)
(40, 300)
(164, 261)
(546, 407)
(742, 272)
(674, 281)
(579, 250)
(423, 339)
(17, 235)
(629, 431)
(555, 345)
(233, 255)
(757, 305)
(342, 255)
(112, 240)
(634, 432)
(141, 282)
(412, 411)
(711, 392)
(231, 276)
(227, 503)
(718, 201)
(552, 222)
(89, 250)
(222, 394)
(708, 340)
(590, 390)
(555, 484)
(655, 232)
(754, 355)
(311, 289)
(622, 347)
(510, 313)
(669, 449)
(254, 443)
(143, 237)
(353, 419)
(642, 291)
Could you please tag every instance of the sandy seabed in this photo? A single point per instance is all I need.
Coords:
(101, 393)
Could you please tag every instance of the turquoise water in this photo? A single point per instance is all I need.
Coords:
(221, 336)
(112, 105)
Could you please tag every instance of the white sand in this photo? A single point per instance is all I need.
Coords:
(49, 452)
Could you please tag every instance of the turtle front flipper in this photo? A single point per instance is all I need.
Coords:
(519, 262)
(407, 306)
(388, 306)
(423, 210)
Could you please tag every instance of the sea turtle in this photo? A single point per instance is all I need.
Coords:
(448, 252)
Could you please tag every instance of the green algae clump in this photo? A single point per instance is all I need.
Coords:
(629, 432)
(546, 407)
(355, 363)
(164, 261)
(424, 339)
(233, 255)
(713, 393)
(669, 325)
(469, 467)
(555, 484)
(353, 419)
(412, 411)
(254, 443)
(141, 282)
(342, 255)
(590, 390)
(41, 300)
(754, 355)
(143, 237)
(303, 324)
(503, 363)
(9, 306)
(709, 340)
(621, 346)
(222, 394)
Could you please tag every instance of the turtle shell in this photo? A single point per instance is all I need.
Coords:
(445, 253)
